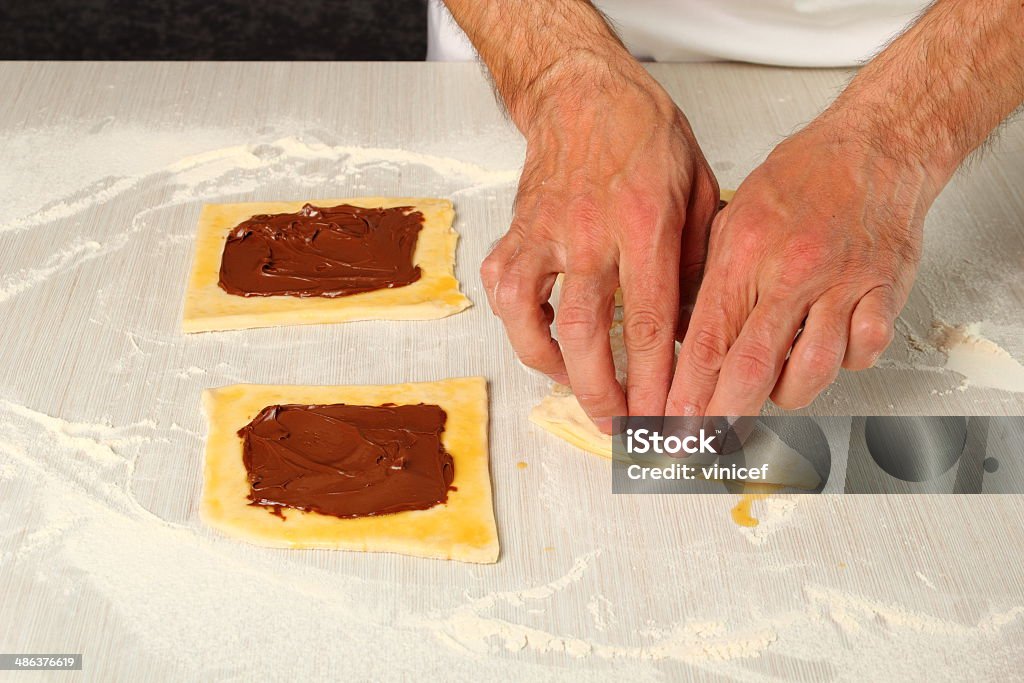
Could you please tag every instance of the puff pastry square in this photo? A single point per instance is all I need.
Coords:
(435, 295)
(462, 529)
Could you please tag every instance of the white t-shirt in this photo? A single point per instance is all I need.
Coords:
(781, 32)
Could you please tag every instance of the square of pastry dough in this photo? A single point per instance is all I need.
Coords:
(462, 528)
(434, 295)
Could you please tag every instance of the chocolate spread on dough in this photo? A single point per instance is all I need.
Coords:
(346, 460)
(321, 251)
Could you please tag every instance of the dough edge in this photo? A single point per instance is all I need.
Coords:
(463, 529)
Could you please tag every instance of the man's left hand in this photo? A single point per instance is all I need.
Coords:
(808, 267)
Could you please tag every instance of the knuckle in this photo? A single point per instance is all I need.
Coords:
(708, 348)
(644, 213)
(491, 269)
(645, 331)
(596, 404)
(576, 321)
(874, 334)
(747, 240)
(753, 367)
(532, 359)
(509, 292)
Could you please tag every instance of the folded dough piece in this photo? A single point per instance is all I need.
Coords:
(435, 295)
(461, 529)
(560, 413)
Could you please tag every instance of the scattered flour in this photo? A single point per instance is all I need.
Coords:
(245, 167)
(467, 627)
(602, 612)
(66, 258)
(925, 580)
(191, 372)
(519, 598)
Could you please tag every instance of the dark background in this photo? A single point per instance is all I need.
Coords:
(214, 29)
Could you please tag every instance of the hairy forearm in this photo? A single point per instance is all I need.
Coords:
(939, 90)
(539, 48)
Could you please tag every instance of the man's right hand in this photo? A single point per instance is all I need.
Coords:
(615, 192)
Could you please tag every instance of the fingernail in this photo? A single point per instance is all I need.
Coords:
(561, 378)
(688, 410)
(604, 424)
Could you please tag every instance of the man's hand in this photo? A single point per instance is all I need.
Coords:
(814, 258)
(820, 244)
(614, 193)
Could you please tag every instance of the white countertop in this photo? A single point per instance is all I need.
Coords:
(103, 169)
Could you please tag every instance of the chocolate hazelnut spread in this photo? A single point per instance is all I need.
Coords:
(322, 251)
(347, 460)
